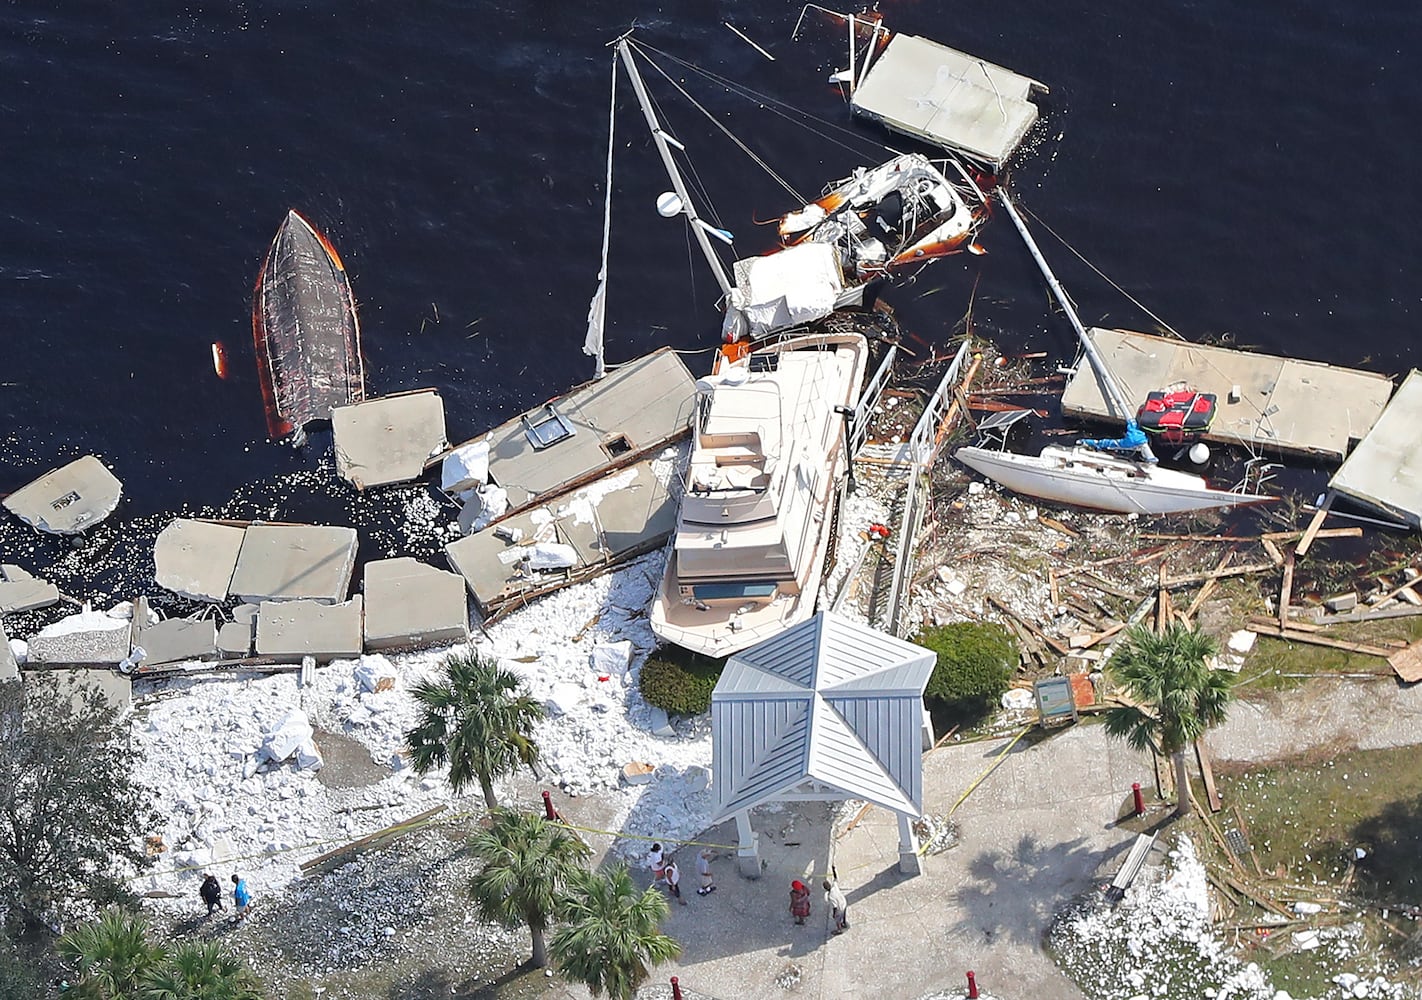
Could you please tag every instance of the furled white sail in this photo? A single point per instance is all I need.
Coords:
(597, 309)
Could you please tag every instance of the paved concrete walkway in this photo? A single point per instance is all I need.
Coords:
(1032, 835)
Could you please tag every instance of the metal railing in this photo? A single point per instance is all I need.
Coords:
(868, 401)
(923, 445)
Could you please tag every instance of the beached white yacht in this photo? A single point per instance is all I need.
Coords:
(761, 486)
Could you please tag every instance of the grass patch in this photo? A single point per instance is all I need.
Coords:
(1309, 814)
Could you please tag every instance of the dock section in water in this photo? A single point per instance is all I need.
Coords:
(967, 105)
(1265, 402)
(1384, 473)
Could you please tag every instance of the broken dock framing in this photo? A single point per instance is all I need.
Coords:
(1269, 403)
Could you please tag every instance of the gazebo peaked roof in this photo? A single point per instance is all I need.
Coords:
(829, 709)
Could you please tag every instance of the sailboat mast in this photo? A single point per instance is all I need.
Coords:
(698, 228)
(1114, 396)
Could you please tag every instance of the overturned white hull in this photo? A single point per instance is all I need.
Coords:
(1081, 477)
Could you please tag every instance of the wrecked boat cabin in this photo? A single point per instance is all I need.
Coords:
(573, 486)
(305, 331)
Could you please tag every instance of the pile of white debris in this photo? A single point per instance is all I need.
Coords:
(234, 761)
(1159, 942)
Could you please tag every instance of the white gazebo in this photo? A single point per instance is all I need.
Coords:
(827, 710)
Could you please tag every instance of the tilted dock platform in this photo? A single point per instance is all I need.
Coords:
(1287, 407)
(1384, 473)
(948, 98)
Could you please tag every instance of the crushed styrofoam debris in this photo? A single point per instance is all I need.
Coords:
(200, 745)
(1160, 942)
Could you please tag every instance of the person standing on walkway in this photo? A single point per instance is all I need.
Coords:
(838, 905)
(241, 897)
(211, 893)
(673, 876)
(799, 901)
(657, 861)
(703, 869)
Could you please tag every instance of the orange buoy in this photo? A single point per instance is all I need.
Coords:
(219, 360)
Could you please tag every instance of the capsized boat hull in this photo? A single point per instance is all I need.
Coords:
(1080, 477)
(305, 331)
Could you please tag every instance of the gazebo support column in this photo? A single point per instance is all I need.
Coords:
(908, 847)
(748, 852)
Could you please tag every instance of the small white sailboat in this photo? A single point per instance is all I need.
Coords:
(1086, 476)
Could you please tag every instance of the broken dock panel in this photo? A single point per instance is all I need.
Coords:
(1384, 472)
(1289, 407)
(67, 500)
(581, 435)
(284, 562)
(409, 605)
(388, 440)
(948, 98)
(196, 557)
(606, 523)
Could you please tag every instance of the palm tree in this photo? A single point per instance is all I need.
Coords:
(528, 861)
(1177, 696)
(201, 970)
(610, 938)
(112, 956)
(477, 720)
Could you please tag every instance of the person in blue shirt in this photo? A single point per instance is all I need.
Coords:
(241, 896)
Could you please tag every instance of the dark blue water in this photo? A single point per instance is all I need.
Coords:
(1246, 169)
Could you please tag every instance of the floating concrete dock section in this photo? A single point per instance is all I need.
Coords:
(196, 558)
(178, 640)
(19, 591)
(603, 524)
(948, 98)
(1283, 406)
(310, 628)
(388, 440)
(288, 562)
(1384, 473)
(409, 605)
(599, 426)
(67, 500)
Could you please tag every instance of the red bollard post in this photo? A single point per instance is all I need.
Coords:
(972, 987)
(676, 989)
(552, 813)
(1135, 790)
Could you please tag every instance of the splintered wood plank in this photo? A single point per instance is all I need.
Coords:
(1286, 590)
(1407, 663)
(1202, 756)
(1311, 532)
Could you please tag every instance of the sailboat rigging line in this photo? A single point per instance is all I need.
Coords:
(755, 157)
(703, 195)
(789, 112)
(1103, 276)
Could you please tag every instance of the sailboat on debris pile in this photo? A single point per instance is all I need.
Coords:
(769, 449)
(872, 225)
(1101, 474)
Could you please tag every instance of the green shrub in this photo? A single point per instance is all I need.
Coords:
(679, 680)
(975, 664)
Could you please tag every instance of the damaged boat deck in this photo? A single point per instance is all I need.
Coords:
(1295, 408)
